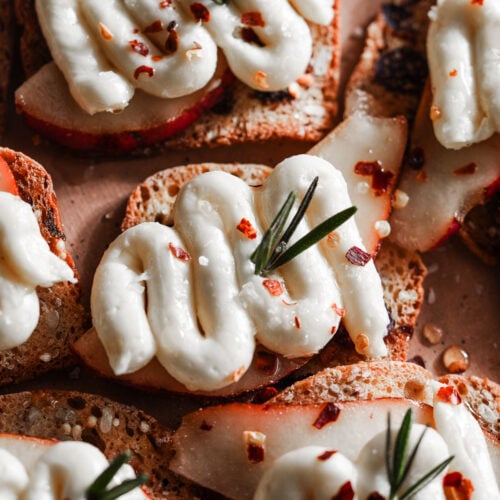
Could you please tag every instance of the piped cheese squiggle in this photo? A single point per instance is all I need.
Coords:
(201, 272)
(25, 263)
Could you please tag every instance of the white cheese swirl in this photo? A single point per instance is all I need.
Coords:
(26, 262)
(205, 305)
(318, 472)
(107, 49)
(463, 48)
(62, 472)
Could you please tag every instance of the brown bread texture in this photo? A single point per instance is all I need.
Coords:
(62, 317)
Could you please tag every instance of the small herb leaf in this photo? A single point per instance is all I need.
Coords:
(97, 490)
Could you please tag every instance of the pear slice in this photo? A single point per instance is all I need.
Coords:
(442, 185)
(49, 109)
(376, 147)
(228, 448)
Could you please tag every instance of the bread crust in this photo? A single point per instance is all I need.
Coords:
(62, 317)
(110, 426)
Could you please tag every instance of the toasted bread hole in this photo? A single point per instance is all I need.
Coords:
(173, 190)
(145, 193)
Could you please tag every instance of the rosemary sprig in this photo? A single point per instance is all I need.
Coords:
(398, 463)
(97, 490)
(272, 251)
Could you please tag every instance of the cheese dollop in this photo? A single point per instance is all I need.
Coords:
(26, 262)
(62, 472)
(463, 48)
(169, 49)
(206, 308)
(320, 473)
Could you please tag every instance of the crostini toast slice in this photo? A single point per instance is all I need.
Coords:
(62, 317)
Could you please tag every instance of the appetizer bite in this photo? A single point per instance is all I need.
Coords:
(40, 312)
(128, 74)
(452, 162)
(397, 434)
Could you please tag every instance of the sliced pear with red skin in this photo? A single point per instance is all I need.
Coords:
(375, 147)
(442, 186)
(27, 449)
(214, 447)
(266, 368)
(49, 109)
(7, 181)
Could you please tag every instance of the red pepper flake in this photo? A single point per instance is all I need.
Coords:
(345, 492)
(266, 362)
(144, 69)
(157, 58)
(339, 311)
(252, 19)
(179, 253)
(468, 169)
(248, 35)
(453, 72)
(333, 330)
(165, 3)
(105, 33)
(296, 320)
(329, 413)
(200, 12)
(139, 47)
(357, 256)
(205, 426)
(273, 287)
(375, 496)
(154, 27)
(477, 2)
(450, 395)
(255, 453)
(326, 455)
(172, 41)
(457, 486)
(381, 179)
(245, 227)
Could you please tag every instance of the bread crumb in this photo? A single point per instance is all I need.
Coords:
(45, 357)
(144, 427)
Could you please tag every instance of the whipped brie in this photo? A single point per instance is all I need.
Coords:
(26, 262)
(189, 296)
(321, 473)
(62, 471)
(108, 49)
(463, 49)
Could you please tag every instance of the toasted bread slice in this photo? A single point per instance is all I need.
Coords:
(304, 112)
(110, 426)
(62, 317)
(402, 276)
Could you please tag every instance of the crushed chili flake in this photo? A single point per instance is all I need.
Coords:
(139, 47)
(357, 256)
(179, 253)
(154, 27)
(273, 287)
(260, 79)
(449, 394)
(165, 3)
(468, 169)
(205, 426)
(333, 330)
(345, 492)
(144, 69)
(157, 58)
(477, 2)
(266, 362)
(453, 72)
(172, 25)
(252, 19)
(172, 41)
(254, 442)
(245, 227)
(339, 311)
(329, 413)
(255, 453)
(381, 179)
(200, 12)
(457, 486)
(248, 35)
(375, 496)
(105, 33)
(296, 320)
(326, 455)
